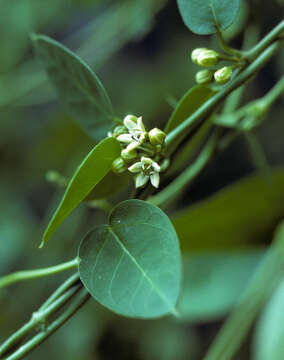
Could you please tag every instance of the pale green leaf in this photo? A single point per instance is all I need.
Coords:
(77, 86)
(90, 172)
(133, 264)
(213, 283)
(269, 335)
(204, 17)
(241, 215)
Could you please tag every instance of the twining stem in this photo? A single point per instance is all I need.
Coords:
(273, 35)
(37, 318)
(266, 279)
(37, 273)
(179, 133)
(175, 188)
(79, 300)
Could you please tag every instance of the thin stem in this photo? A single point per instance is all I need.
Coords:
(37, 273)
(72, 280)
(171, 192)
(79, 300)
(273, 35)
(267, 277)
(38, 317)
(180, 132)
(226, 47)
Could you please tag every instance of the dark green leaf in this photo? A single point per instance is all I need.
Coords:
(133, 265)
(213, 283)
(188, 104)
(77, 86)
(110, 185)
(91, 171)
(242, 215)
(204, 17)
(269, 334)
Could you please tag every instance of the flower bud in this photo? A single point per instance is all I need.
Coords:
(156, 136)
(195, 53)
(118, 166)
(130, 121)
(207, 58)
(223, 75)
(128, 154)
(119, 130)
(204, 77)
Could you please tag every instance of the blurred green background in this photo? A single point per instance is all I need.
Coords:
(140, 50)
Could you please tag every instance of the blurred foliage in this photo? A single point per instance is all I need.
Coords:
(141, 51)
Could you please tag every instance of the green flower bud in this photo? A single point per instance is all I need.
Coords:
(118, 166)
(204, 76)
(223, 75)
(195, 53)
(208, 58)
(128, 154)
(119, 130)
(156, 136)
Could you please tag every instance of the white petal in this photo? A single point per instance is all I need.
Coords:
(155, 179)
(141, 179)
(125, 138)
(129, 122)
(135, 168)
(132, 146)
(140, 125)
(156, 166)
(146, 160)
(109, 134)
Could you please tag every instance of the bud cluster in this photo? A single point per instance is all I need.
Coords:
(141, 151)
(210, 58)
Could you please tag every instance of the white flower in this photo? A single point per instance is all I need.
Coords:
(146, 169)
(136, 131)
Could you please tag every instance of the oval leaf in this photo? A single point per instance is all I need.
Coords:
(188, 104)
(213, 283)
(133, 265)
(269, 335)
(91, 171)
(110, 185)
(235, 217)
(77, 86)
(206, 16)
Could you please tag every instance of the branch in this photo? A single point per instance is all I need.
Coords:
(37, 273)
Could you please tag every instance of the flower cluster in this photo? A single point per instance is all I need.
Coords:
(210, 58)
(141, 151)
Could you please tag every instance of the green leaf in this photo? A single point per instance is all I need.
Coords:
(206, 16)
(188, 104)
(77, 86)
(241, 215)
(91, 171)
(189, 151)
(133, 264)
(110, 185)
(213, 283)
(269, 335)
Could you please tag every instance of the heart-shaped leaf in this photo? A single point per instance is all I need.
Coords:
(90, 172)
(206, 16)
(77, 86)
(133, 264)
